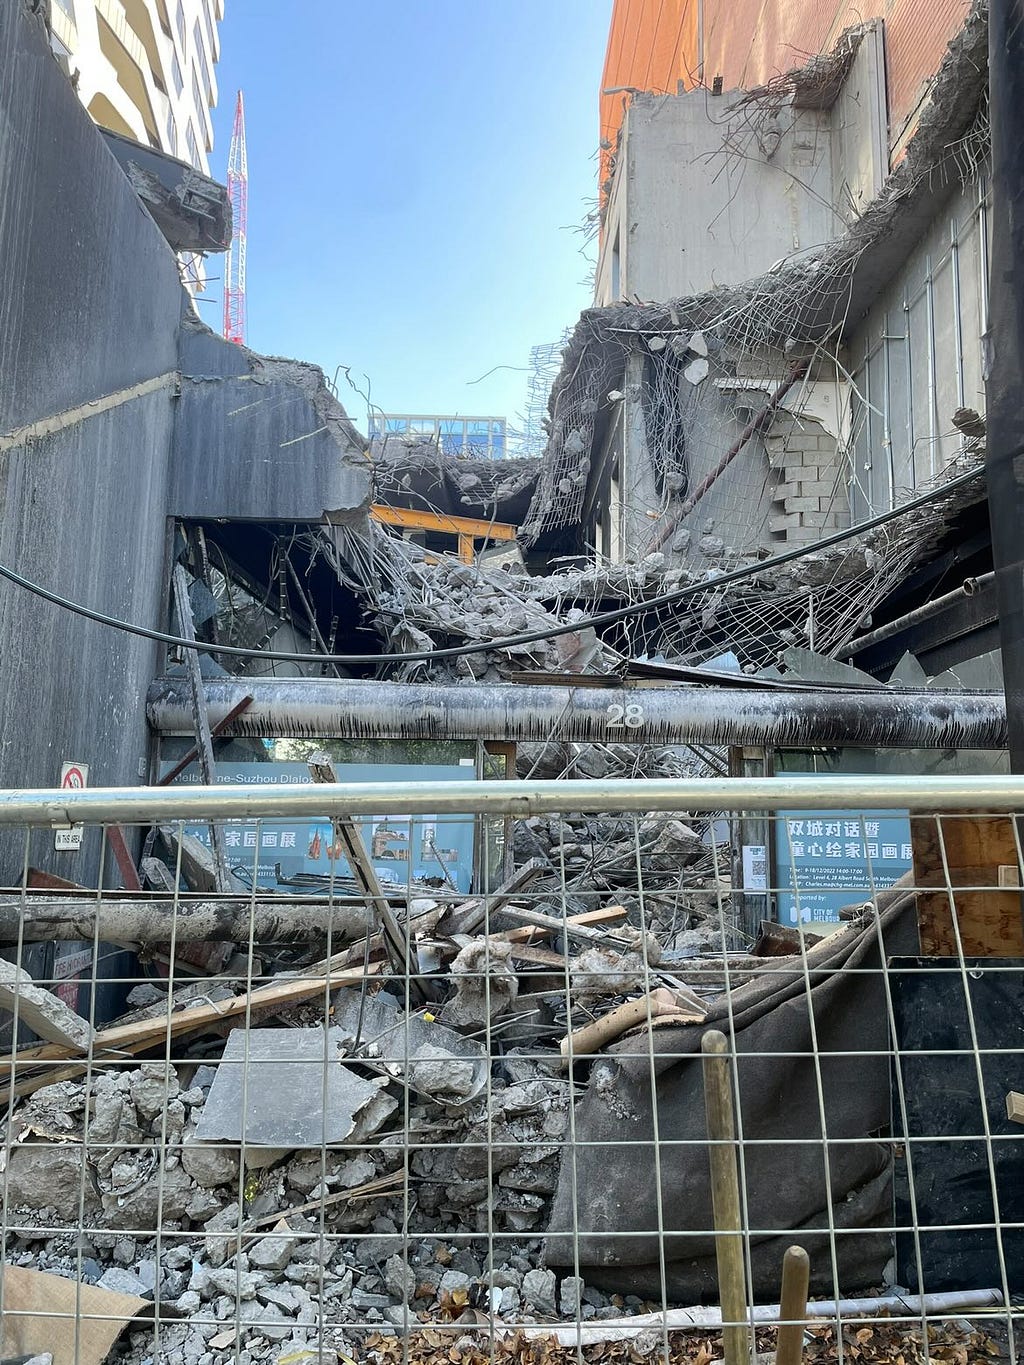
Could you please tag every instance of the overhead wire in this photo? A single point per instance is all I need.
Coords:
(665, 599)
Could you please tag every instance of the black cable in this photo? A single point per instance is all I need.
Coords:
(529, 637)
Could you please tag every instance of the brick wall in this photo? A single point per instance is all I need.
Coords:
(809, 498)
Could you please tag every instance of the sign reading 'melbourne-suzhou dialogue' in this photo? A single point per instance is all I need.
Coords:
(302, 855)
(825, 860)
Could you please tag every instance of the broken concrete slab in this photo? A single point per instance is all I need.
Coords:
(192, 211)
(287, 1089)
(40, 1011)
(435, 1061)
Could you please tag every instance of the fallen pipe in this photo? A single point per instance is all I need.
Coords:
(909, 1306)
(33, 919)
(312, 707)
(970, 587)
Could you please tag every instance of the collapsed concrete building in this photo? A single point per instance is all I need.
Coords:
(663, 608)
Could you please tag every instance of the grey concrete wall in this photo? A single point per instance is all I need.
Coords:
(731, 518)
(917, 356)
(90, 303)
(860, 141)
(259, 437)
(708, 195)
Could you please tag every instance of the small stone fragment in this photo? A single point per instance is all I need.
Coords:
(273, 1253)
(539, 1290)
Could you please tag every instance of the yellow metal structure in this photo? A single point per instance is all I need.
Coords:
(468, 530)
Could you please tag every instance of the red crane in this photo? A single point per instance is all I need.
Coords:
(238, 193)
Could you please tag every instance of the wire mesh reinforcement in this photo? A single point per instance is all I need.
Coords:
(253, 1126)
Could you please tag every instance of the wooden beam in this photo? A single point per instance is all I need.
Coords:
(470, 915)
(115, 1043)
(398, 944)
(589, 919)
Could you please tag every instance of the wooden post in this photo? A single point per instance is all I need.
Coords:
(796, 1274)
(725, 1196)
(398, 946)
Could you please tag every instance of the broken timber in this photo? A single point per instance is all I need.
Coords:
(469, 916)
(399, 949)
(121, 1039)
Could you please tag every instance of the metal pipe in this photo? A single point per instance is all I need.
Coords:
(149, 805)
(326, 707)
(970, 587)
(895, 1307)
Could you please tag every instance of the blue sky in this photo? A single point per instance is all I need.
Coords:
(414, 168)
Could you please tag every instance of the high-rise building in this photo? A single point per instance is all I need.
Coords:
(467, 438)
(145, 68)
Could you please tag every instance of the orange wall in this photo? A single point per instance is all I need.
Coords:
(654, 43)
(651, 46)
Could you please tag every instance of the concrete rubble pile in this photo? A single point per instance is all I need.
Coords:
(422, 603)
(260, 1216)
(419, 603)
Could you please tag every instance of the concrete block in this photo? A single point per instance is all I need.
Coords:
(785, 490)
(784, 523)
(816, 488)
(802, 505)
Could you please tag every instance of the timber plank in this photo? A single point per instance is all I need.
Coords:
(989, 917)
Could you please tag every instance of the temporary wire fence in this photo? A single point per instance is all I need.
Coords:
(391, 1116)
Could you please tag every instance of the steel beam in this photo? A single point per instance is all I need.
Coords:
(1004, 460)
(326, 707)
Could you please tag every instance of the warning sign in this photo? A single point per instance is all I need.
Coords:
(73, 777)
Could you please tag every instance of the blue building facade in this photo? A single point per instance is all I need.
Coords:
(467, 438)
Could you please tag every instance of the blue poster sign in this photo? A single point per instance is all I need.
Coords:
(302, 855)
(825, 860)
